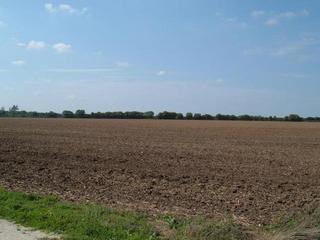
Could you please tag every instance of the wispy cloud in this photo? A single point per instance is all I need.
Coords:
(235, 21)
(79, 70)
(219, 80)
(62, 47)
(162, 73)
(71, 97)
(2, 24)
(18, 62)
(276, 19)
(257, 13)
(122, 64)
(64, 8)
(34, 45)
(293, 75)
(3, 70)
(37, 45)
(300, 48)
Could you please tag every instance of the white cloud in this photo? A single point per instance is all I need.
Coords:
(79, 70)
(71, 96)
(300, 49)
(257, 13)
(304, 12)
(18, 62)
(2, 24)
(274, 20)
(122, 64)
(64, 8)
(62, 47)
(235, 21)
(19, 44)
(294, 75)
(162, 73)
(98, 53)
(35, 45)
(50, 8)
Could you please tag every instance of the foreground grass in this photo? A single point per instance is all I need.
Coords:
(94, 222)
(302, 225)
(74, 221)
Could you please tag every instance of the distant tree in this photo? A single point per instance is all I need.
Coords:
(118, 115)
(179, 116)
(294, 118)
(189, 115)
(80, 113)
(197, 116)
(13, 111)
(245, 117)
(98, 115)
(14, 108)
(207, 117)
(67, 114)
(33, 114)
(167, 115)
(22, 114)
(148, 115)
(133, 115)
(51, 114)
(219, 116)
(2, 112)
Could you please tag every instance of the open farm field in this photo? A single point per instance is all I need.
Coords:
(252, 170)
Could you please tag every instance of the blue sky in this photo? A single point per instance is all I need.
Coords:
(207, 56)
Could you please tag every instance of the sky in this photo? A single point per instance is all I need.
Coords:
(205, 56)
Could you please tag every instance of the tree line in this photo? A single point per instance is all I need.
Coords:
(15, 112)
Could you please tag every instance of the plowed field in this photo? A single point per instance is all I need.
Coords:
(253, 170)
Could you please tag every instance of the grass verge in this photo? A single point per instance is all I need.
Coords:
(73, 221)
(302, 225)
(94, 222)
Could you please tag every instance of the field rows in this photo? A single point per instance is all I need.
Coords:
(254, 170)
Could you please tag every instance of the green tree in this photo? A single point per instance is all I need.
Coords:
(294, 118)
(167, 115)
(189, 115)
(197, 116)
(80, 113)
(148, 114)
(67, 114)
(179, 116)
(51, 114)
(2, 112)
(14, 108)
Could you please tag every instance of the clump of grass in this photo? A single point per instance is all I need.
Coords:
(204, 229)
(304, 224)
(73, 221)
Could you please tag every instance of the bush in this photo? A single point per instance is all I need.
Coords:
(67, 114)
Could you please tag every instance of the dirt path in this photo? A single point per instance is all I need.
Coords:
(11, 231)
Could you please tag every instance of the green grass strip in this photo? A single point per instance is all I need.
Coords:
(79, 221)
(73, 221)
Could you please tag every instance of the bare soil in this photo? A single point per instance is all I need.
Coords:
(253, 170)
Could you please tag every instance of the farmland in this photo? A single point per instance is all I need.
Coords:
(252, 170)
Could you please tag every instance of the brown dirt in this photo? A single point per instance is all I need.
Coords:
(253, 170)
